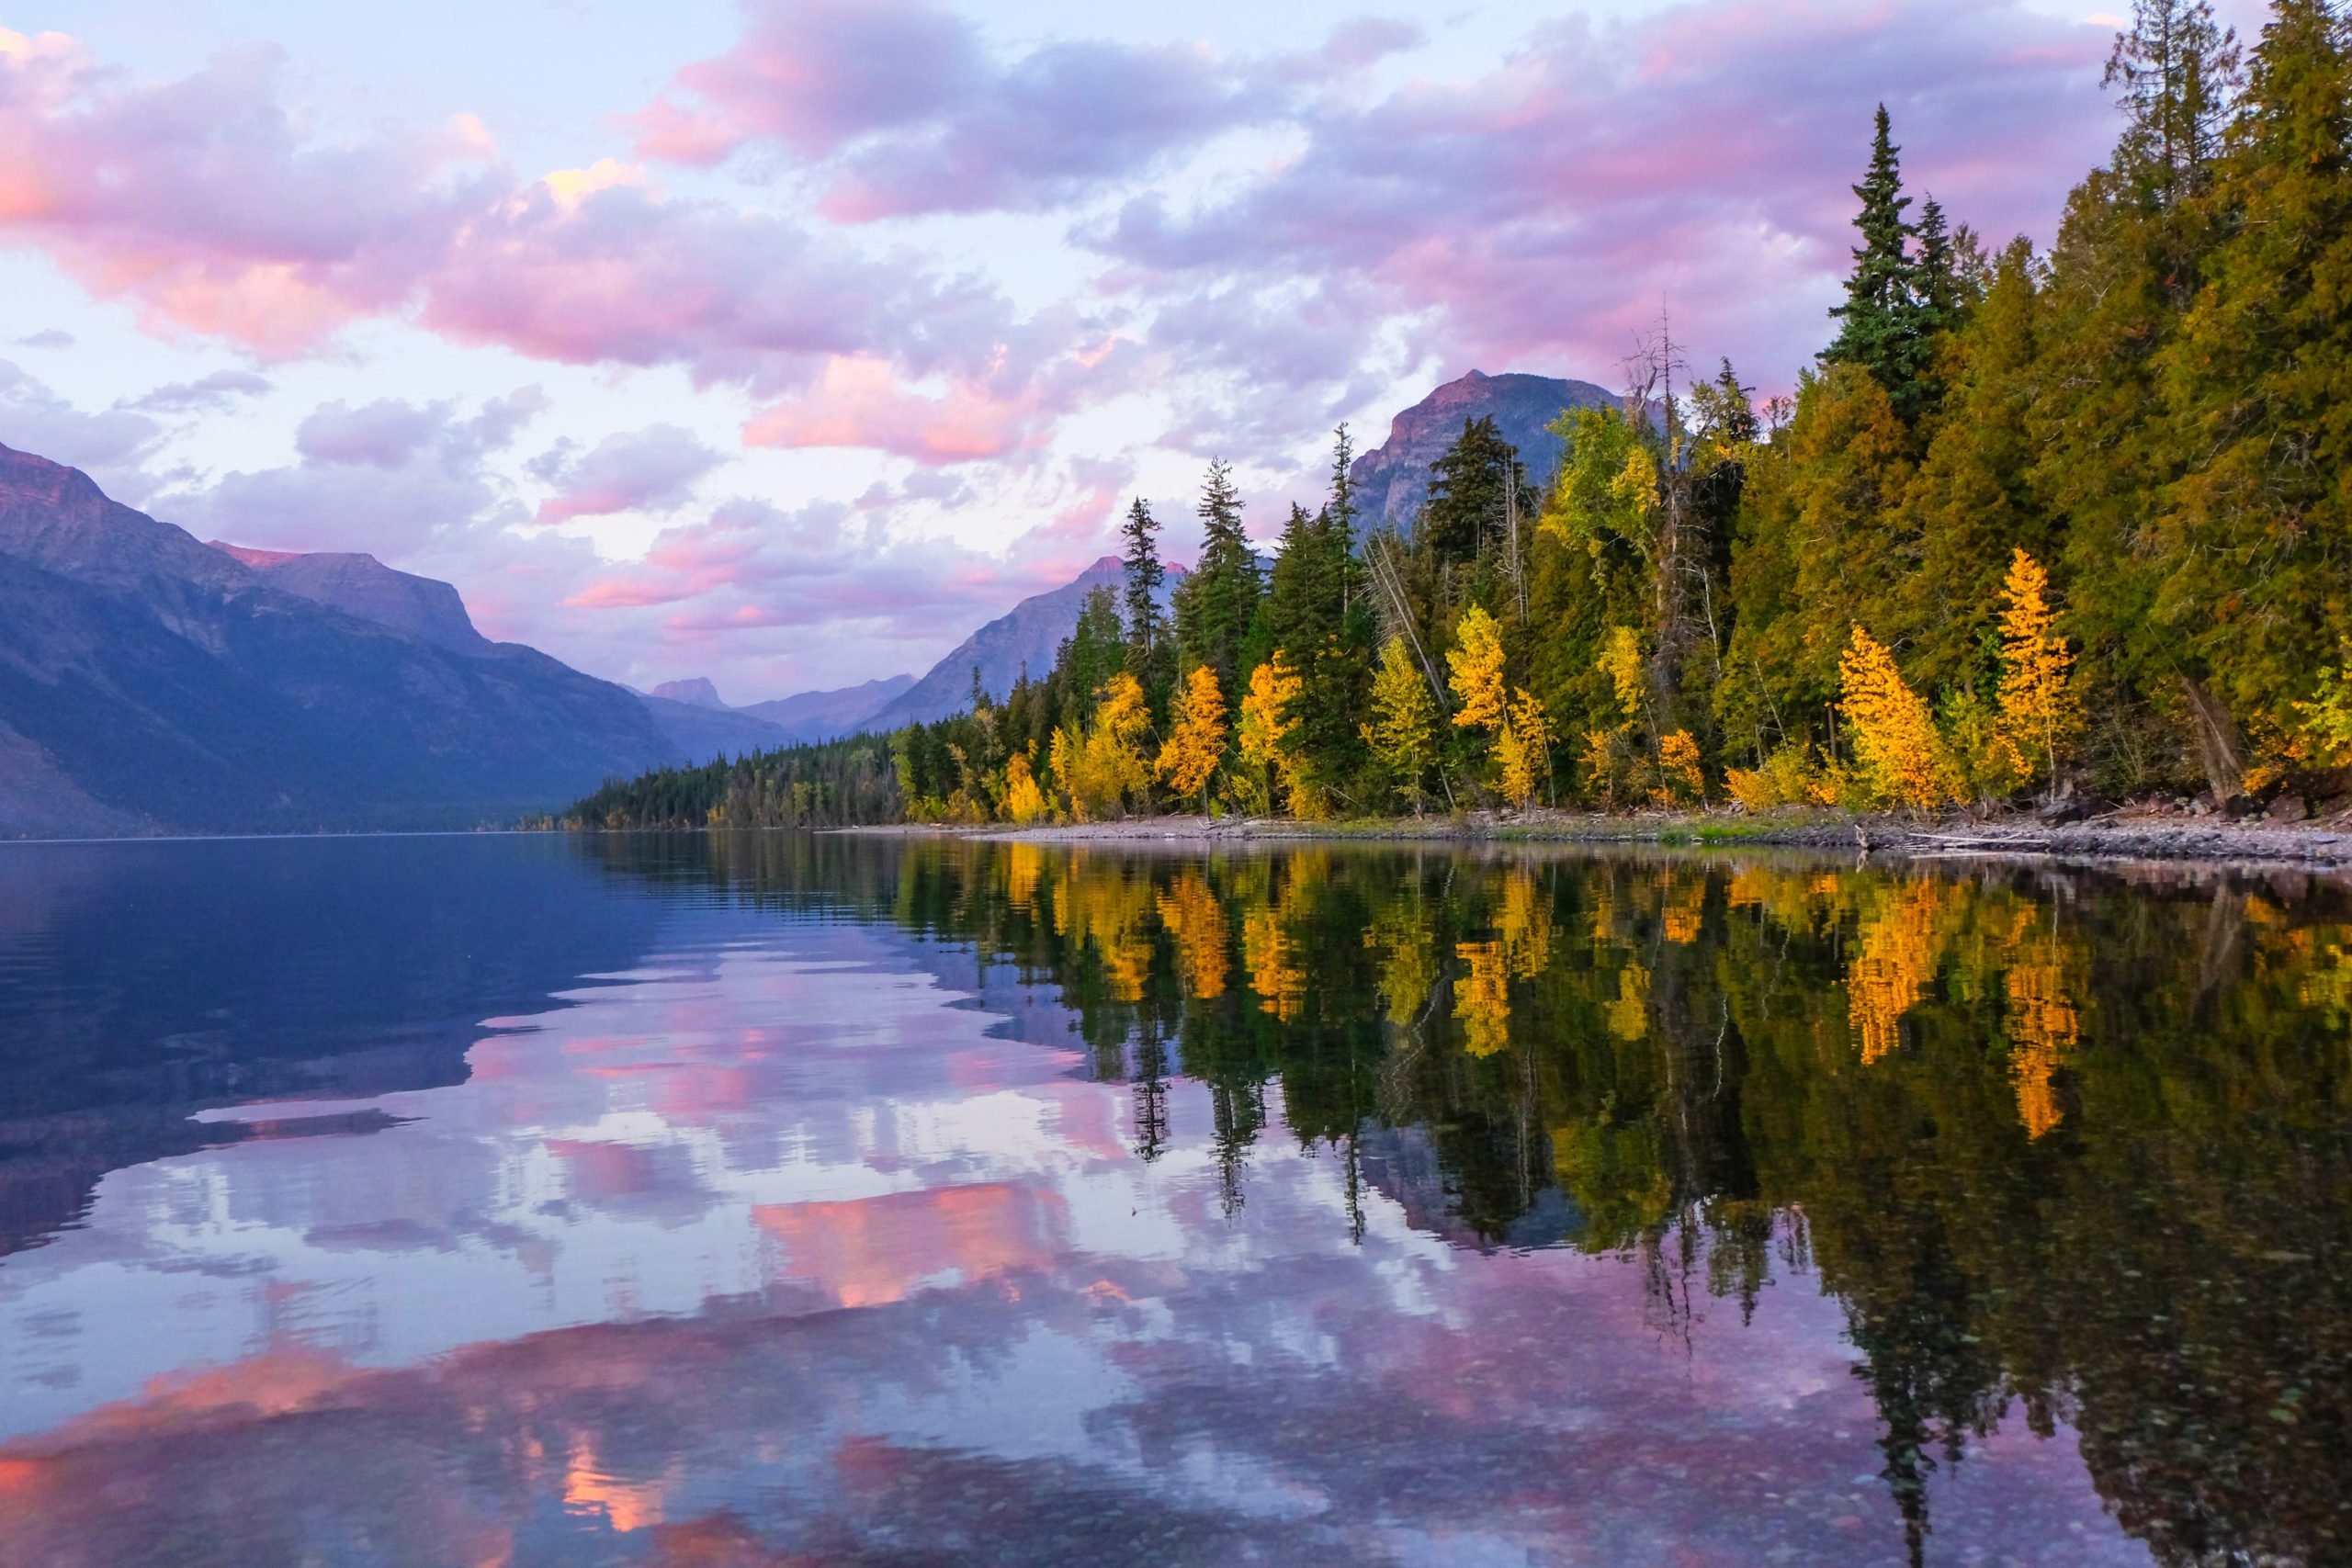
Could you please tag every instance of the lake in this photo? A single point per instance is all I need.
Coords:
(780, 1199)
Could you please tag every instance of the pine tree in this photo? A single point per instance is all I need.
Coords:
(1149, 656)
(1882, 325)
(1937, 275)
(1470, 493)
(1217, 603)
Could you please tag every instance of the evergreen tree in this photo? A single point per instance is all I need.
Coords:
(1148, 651)
(1881, 326)
(1939, 282)
(2259, 531)
(1471, 493)
(1217, 604)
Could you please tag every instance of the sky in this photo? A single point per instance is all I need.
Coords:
(784, 342)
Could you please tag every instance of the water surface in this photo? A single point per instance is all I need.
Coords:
(778, 1199)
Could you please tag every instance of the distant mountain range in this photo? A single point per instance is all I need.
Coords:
(151, 682)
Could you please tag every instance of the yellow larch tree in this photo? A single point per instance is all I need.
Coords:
(1109, 766)
(1525, 749)
(1402, 732)
(1265, 733)
(1481, 700)
(2039, 709)
(1196, 740)
(1680, 781)
(1904, 759)
(1024, 802)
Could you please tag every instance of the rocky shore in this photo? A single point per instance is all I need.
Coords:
(2141, 833)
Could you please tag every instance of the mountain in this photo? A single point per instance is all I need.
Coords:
(697, 692)
(149, 682)
(689, 714)
(1027, 635)
(361, 585)
(824, 716)
(1393, 478)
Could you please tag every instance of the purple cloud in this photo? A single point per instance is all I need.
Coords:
(651, 470)
(1696, 160)
(112, 445)
(205, 394)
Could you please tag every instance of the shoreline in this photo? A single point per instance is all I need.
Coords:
(2326, 845)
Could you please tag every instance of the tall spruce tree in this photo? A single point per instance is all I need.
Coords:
(1882, 325)
(1218, 601)
(1149, 656)
(1470, 492)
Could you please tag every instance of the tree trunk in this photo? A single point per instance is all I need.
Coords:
(2218, 748)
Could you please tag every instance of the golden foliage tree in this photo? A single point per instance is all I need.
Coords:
(1024, 802)
(1266, 732)
(2038, 710)
(1108, 766)
(1402, 732)
(1196, 741)
(1523, 749)
(1680, 781)
(1903, 758)
(1481, 700)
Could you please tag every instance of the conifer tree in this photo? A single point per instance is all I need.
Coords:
(2038, 709)
(1470, 493)
(1149, 655)
(2262, 376)
(1938, 280)
(1881, 324)
(1217, 603)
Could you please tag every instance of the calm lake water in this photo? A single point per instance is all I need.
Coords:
(794, 1200)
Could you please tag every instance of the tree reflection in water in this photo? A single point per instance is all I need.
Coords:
(2067, 1147)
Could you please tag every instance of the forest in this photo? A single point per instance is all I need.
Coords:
(2034, 523)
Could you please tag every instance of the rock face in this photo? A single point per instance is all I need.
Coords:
(1393, 478)
(149, 681)
(826, 716)
(361, 585)
(1028, 635)
(697, 692)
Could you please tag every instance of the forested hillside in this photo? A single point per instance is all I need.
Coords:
(2032, 521)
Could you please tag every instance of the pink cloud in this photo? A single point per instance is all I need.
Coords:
(201, 205)
(621, 593)
(859, 402)
(649, 470)
(1696, 160)
(910, 111)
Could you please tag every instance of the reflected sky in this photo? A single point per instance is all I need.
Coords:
(812, 1231)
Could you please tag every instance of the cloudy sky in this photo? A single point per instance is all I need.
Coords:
(784, 341)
